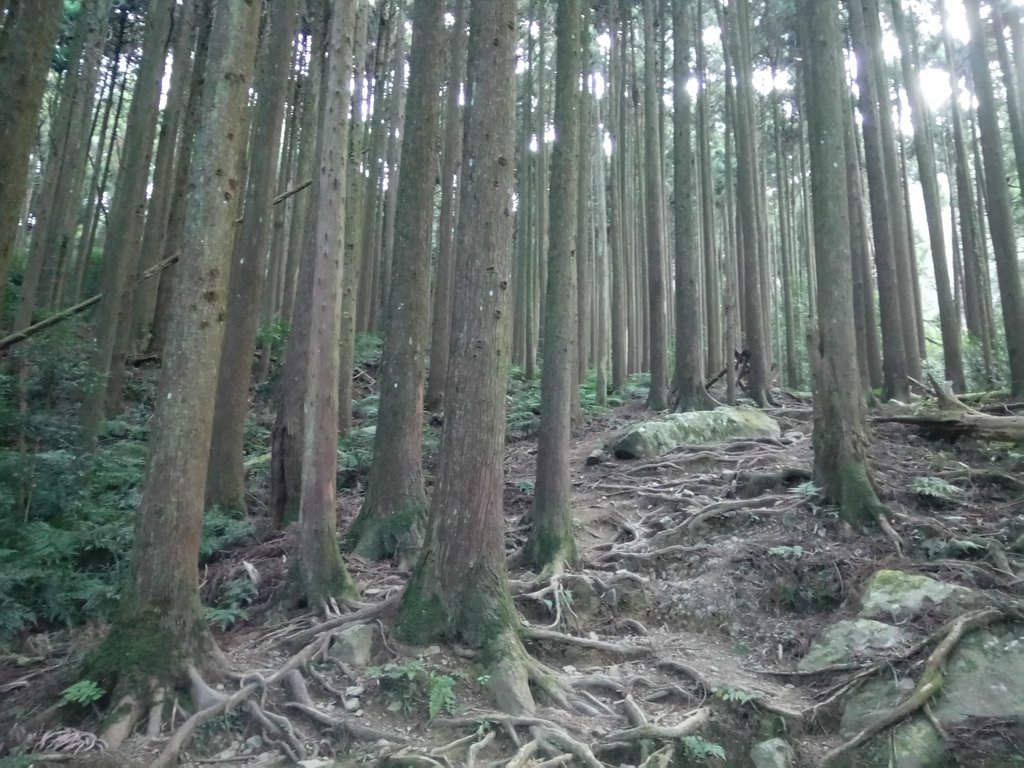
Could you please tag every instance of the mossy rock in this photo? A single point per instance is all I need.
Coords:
(852, 639)
(650, 439)
(897, 595)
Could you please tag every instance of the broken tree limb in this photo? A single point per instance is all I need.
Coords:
(954, 419)
(26, 333)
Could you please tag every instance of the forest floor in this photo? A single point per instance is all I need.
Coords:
(705, 574)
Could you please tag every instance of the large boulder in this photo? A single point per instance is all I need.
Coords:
(853, 640)
(774, 753)
(980, 682)
(650, 439)
(896, 596)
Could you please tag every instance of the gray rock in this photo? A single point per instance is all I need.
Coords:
(981, 681)
(658, 436)
(774, 753)
(897, 595)
(353, 645)
(983, 677)
(254, 743)
(851, 639)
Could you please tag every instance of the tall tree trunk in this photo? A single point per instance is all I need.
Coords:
(127, 210)
(923, 148)
(550, 545)
(712, 268)
(689, 362)
(657, 398)
(459, 588)
(616, 218)
(747, 207)
(898, 224)
(1000, 215)
(288, 434)
(159, 610)
(396, 132)
(392, 516)
(894, 358)
(64, 142)
(321, 571)
(840, 442)
(26, 43)
(183, 162)
(450, 177)
(155, 233)
(225, 483)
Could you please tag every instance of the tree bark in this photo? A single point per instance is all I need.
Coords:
(689, 363)
(159, 630)
(391, 519)
(225, 484)
(459, 590)
(657, 398)
(893, 351)
(1000, 215)
(321, 572)
(26, 43)
(450, 177)
(127, 210)
(551, 545)
(840, 465)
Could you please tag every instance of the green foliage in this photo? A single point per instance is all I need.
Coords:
(810, 491)
(369, 350)
(82, 693)
(978, 379)
(355, 452)
(210, 735)
(961, 549)
(734, 695)
(936, 489)
(232, 603)
(701, 748)
(787, 552)
(221, 531)
(527, 487)
(411, 685)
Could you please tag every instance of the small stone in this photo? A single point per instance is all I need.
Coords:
(254, 742)
(353, 645)
(351, 705)
(355, 690)
(569, 669)
(774, 753)
(595, 457)
(431, 650)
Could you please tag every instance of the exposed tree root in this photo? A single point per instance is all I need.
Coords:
(929, 683)
(617, 649)
(369, 612)
(553, 734)
(693, 722)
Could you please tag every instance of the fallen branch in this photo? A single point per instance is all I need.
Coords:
(26, 333)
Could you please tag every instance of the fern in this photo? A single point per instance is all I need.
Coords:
(936, 488)
(442, 695)
(700, 747)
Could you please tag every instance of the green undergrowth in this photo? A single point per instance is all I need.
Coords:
(66, 520)
(523, 402)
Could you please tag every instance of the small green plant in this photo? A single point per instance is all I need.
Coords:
(411, 685)
(442, 695)
(936, 489)
(82, 693)
(810, 492)
(701, 748)
(232, 605)
(526, 487)
(221, 531)
(787, 552)
(734, 695)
